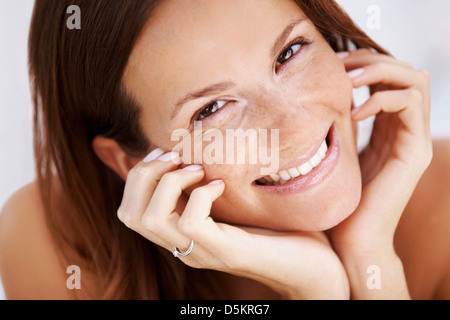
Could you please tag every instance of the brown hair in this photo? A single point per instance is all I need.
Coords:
(77, 93)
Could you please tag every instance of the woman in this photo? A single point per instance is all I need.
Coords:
(114, 197)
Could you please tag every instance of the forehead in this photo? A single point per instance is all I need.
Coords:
(201, 31)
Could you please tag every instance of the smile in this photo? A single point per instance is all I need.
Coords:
(285, 176)
(310, 170)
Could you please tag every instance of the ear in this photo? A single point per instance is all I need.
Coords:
(112, 155)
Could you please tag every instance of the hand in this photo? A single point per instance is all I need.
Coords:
(399, 152)
(295, 265)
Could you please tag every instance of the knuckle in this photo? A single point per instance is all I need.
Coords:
(169, 178)
(415, 95)
(125, 217)
(428, 159)
(149, 222)
(377, 96)
(362, 51)
(187, 226)
(139, 171)
(430, 156)
(122, 213)
(428, 152)
(200, 193)
(129, 222)
(381, 65)
(380, 69)
(406, 64)
(425, 156)
(425, 75)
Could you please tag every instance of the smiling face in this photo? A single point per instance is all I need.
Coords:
(251, 65)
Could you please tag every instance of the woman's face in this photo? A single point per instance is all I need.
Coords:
(264, 66)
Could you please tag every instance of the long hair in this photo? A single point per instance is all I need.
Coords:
(77, 93)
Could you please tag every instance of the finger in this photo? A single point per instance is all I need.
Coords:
(141, 183)
(193, 224)
(405, 102)
(389, 74)
(169, 190)
(362, 57)
(196, 222)
(159, 221)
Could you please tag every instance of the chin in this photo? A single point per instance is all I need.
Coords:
(330, 213)
(336, 215)
(336, 204)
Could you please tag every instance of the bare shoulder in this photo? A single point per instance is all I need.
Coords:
(29, 265)
(422, 238)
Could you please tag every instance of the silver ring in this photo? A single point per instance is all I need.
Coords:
(177, 253)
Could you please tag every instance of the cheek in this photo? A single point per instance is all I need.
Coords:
(338, 87)
(322, 80)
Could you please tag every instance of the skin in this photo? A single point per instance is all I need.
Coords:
(170, 206)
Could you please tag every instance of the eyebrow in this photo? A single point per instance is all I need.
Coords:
(223, 86)
(284, 35)
(208, 91)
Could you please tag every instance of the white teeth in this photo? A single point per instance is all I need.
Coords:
(305, 168)
(293, 172)
(284, 176)
(315, 160)
(275, 177)
(324, 146)
(321, 153)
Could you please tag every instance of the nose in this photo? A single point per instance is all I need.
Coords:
(273, 107)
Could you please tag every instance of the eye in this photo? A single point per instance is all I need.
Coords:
(210, 109)
(289, 53)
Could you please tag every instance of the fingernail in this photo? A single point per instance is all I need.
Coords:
(194, 167)
(170, 156)
(153, 155)
(343, 54)
(355, 73)
(215, 182)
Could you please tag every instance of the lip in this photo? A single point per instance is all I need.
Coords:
(316, 176)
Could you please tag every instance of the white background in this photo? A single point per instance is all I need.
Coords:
(413, 30)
